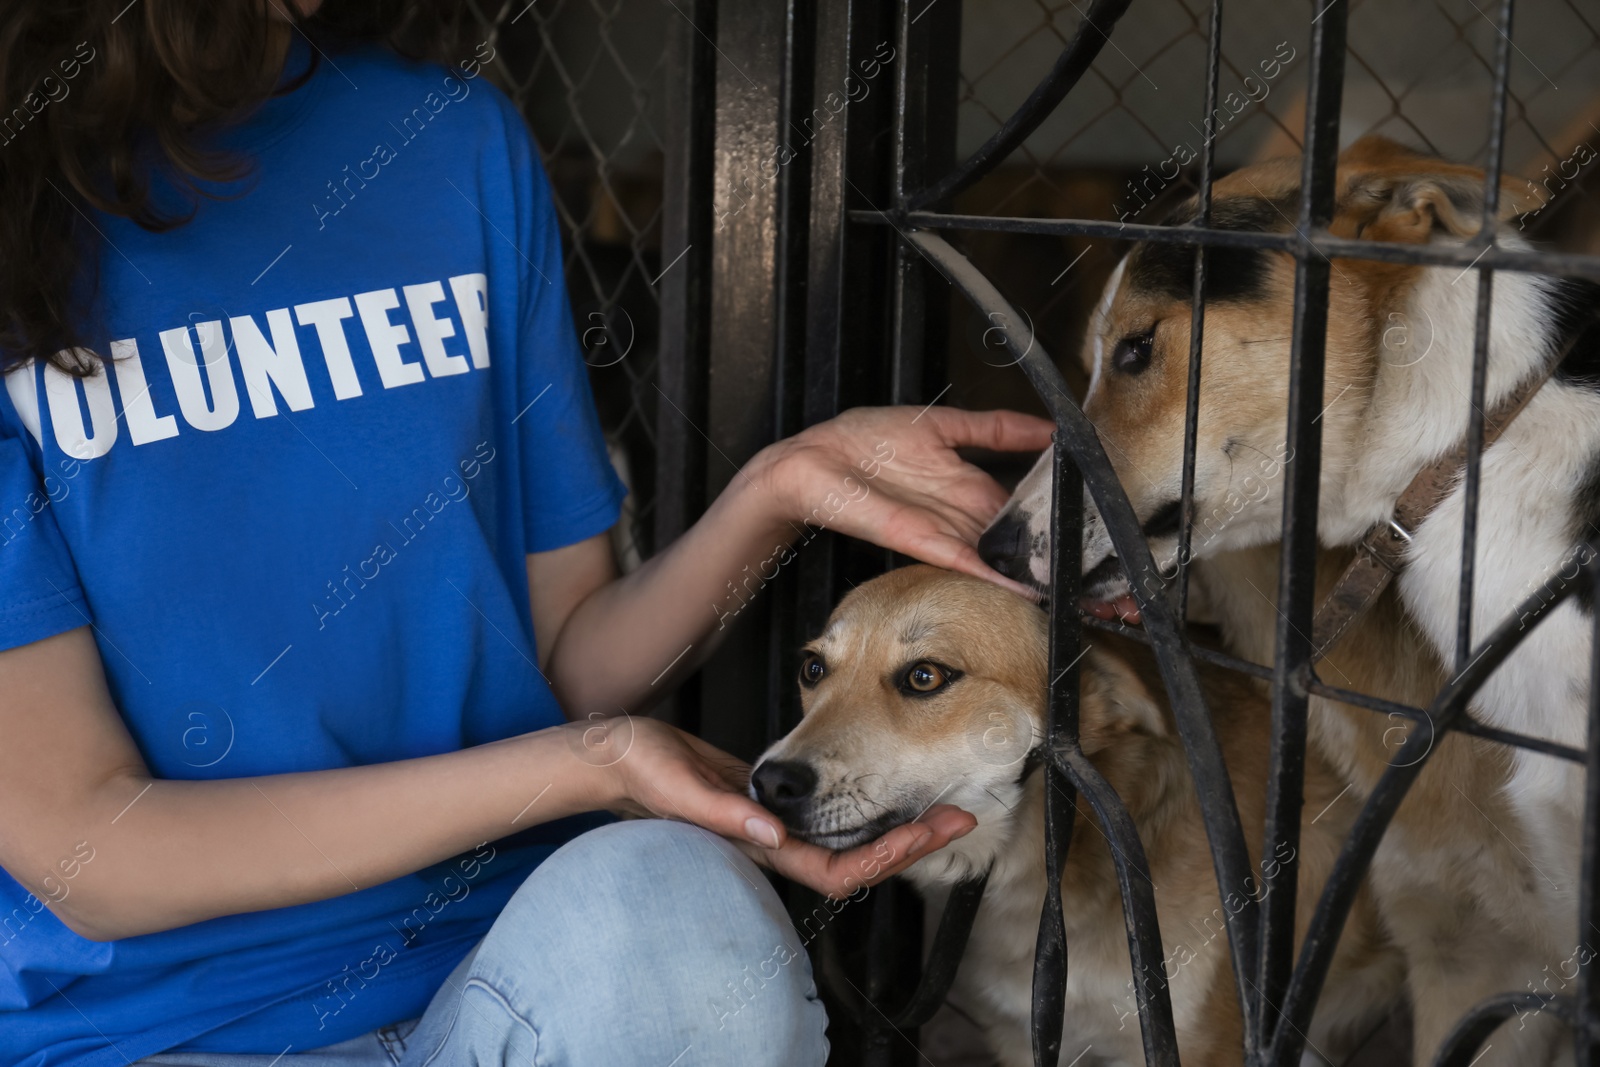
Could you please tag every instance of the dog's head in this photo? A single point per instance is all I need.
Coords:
(1137, 358)
(925, 687)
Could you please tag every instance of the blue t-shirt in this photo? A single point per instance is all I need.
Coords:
(343, 404)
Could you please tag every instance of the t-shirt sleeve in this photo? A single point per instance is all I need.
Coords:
(570, 490)
(39, 591)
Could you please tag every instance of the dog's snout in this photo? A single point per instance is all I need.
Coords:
(1006, 546)
(784, 787)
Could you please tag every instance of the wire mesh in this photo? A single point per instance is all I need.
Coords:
(1418, 71)
(1430, 74)
(590, 78)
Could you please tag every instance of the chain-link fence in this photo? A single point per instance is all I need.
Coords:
(1127, 142)
(589, 76)
(1128, 137)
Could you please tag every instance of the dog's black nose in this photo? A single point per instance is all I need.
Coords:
(1006, 546)
(784, 787)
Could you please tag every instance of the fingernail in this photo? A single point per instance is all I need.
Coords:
(964, 831)
(916, 846)
(761, 832)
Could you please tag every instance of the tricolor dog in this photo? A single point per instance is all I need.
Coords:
(1398, 373)
(929, 686)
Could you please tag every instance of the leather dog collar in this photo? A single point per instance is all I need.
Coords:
(1381, 553)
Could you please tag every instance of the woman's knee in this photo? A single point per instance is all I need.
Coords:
(671, 935)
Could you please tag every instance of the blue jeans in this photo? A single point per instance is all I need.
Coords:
(640, 944)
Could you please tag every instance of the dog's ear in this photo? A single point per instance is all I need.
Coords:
(1388, 192)
(1116, 702)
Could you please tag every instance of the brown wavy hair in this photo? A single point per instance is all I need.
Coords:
(99, 97)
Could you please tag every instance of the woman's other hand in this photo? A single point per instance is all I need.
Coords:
(892, 476)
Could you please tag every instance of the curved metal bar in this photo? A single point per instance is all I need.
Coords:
(1093, 34)
(1466, 724)
(1339, 893)
(938, 973)
(949, 944)
(1150, 990)
(1048, 1008)
(1460, 1048)
(1229, 856)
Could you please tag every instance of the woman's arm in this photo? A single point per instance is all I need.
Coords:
(115, 852)
(886, 475)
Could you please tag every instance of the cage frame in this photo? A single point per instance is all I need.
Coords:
(1277, 986)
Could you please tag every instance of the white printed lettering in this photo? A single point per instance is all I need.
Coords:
(61, 390)
(472, 304)
(144, 425)
(431, 331)
(386, 337)
(328, 317)
(223, 406)
(266, 365)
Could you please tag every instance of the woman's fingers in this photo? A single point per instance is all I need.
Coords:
(999, 431)
(955, 554)
(961, 556)
(840, 874)
(727, 768)
(895, 517)
(733, 815)
(677, 776)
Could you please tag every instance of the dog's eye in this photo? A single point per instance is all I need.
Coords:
(812, 670)
(1132, 354)
(927, 677)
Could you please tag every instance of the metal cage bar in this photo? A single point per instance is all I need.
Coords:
(1298, 569)
(1278, 985)
(1197, 317)
(1473, 477)
(1215, 791)
(1332, 245)
(1586, 1001)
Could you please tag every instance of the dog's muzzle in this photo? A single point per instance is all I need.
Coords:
(785, 788)
(1007, 546)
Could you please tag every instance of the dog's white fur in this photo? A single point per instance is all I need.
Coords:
(1387, 419)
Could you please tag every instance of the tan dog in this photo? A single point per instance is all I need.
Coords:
(1451, 878)
(930, 686)
(1396, 390)
(1476, 881)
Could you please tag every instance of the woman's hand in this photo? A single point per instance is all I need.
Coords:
(657, 769)
(840, 874)
(891, 476)
(886, 475)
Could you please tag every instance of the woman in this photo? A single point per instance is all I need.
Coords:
(304, 572)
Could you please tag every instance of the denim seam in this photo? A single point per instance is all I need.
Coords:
(505, 1005)
(389, 1037)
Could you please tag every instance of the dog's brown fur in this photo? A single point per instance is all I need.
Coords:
(1476, 878)
(1452, 885)
(1246, 341)
(882, 756)
(1454, 879)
